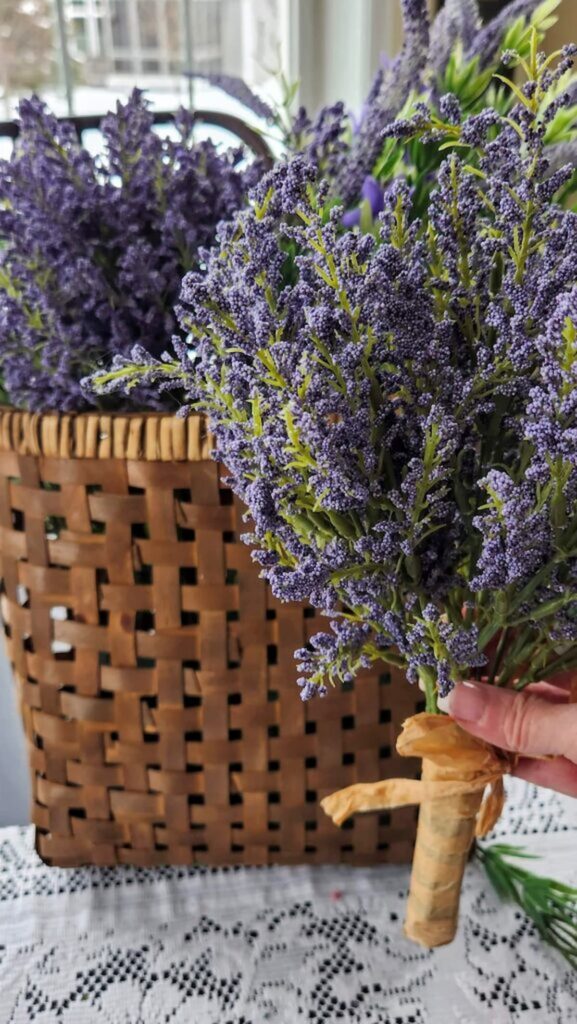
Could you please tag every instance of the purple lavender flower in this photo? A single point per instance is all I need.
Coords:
(488, 41)
(238, 89)
(458, 22)
(94, 249)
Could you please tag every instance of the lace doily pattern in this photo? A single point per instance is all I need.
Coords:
(274, 945)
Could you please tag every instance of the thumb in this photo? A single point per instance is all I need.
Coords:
(515, 721)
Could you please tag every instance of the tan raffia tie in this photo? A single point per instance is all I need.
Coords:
(465, 765)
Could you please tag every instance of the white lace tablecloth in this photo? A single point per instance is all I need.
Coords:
(282, 945)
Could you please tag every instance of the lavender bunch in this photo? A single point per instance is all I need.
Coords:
(93, 249)
(398, 408)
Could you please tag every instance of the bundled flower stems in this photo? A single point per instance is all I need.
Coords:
(395, 406)
(457, 771)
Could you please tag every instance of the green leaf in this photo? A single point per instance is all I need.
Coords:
(551, 905)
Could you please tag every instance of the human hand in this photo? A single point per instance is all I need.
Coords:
(539, 721)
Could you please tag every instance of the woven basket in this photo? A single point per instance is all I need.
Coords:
(155, 669)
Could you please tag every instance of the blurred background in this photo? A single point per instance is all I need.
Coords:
(83, 55)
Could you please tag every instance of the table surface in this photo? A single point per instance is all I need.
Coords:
(282, 945)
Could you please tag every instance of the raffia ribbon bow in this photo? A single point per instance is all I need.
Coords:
(464, 765)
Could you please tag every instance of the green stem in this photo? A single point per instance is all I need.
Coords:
(498, 655)
(550, 905)
(430, 683)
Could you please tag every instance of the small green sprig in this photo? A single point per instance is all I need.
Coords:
(550, 905)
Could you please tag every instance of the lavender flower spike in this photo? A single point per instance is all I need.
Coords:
(490, 37)
(237, 89)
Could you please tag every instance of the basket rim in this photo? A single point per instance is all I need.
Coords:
(140, 436)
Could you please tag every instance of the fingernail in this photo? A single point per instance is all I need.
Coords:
(467, 702)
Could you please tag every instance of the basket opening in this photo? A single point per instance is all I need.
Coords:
(183, 533)
(384, 752)
(234, 698)
(145, 662)
(18, 521)
(188, 576)
(226, 496)
(144, 621)
(384, 716)
(347, 722)
(143, 574)
(189, 618)
(274, 797)
(61, 651)
(348, 758)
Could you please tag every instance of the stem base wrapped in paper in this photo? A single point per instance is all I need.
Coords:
(461, 795)
(445, 834)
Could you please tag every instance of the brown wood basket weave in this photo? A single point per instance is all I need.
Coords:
(155, 669)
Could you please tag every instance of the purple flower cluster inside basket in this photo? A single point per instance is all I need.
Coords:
(94, 247)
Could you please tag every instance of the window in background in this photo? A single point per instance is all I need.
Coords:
(82, 55)
(28, 50)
